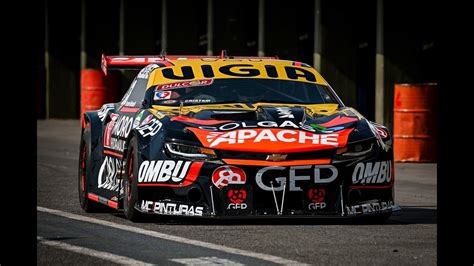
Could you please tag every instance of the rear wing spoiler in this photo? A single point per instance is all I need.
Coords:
(137, 62)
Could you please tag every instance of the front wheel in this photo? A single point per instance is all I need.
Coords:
(130, 196)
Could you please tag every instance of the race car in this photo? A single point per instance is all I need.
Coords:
(222, 136)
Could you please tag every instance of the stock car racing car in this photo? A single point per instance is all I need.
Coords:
(220, 136)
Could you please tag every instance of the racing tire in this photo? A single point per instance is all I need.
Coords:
(84, 174)
(130, 188)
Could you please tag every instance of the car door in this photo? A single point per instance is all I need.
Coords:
(117, 129)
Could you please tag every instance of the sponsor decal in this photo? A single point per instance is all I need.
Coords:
(102, 113)
(264, 124)
(237, 206)
(145, 72)
(197, 101)
(168, 173)
(116, 144)
(237, 198)
(169, 102)
(265, 135)
(228, 175)
(125, 98)
(378, 136)
(276, 157)
(163, 171)
(126, 109)
(138, 118)
(339, 120)
(382, 133)
(170, 208)
(316, 205)
(318, 127)
(159, 114)
(284, 112)
(315, 174)
(367, 208)
(325, 129)
(135, 59)
(107, 178)
(123, 126)
(185, 84)
(118, 127)
(130, 103)
(237, 195)
(316, 197)
(271, 140)
(372, 173)
(150, 128)
(162, 95)
(316, 194)
(109, 129)
(243, 70)
(147, 120)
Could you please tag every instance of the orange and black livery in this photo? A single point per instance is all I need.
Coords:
(238, 137)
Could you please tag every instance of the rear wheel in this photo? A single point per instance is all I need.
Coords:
(84, 172)
(130, 196)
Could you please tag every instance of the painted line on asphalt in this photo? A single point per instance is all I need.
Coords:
(91, 252)
(245, 253)
(206, 261)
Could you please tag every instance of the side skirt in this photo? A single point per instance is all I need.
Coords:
(102, 200)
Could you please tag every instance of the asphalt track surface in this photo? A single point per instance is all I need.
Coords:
(68, 235)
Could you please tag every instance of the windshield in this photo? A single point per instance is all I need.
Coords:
(209, 91)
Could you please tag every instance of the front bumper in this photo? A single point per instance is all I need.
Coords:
(313, 184)
(289, 191)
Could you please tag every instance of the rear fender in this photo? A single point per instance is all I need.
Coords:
(92, 120)
(96, 120)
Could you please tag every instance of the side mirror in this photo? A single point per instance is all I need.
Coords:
(145, 104)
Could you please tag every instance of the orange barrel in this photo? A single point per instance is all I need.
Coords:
(415, 122)
(112, 82)
(96, 89)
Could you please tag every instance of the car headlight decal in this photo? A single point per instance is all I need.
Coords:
(356, 149)
(189, 151)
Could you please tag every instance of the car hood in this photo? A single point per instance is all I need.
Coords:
(273, 128)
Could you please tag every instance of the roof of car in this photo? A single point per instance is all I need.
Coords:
(215, 68)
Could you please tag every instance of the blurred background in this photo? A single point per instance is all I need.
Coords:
(362, 48)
